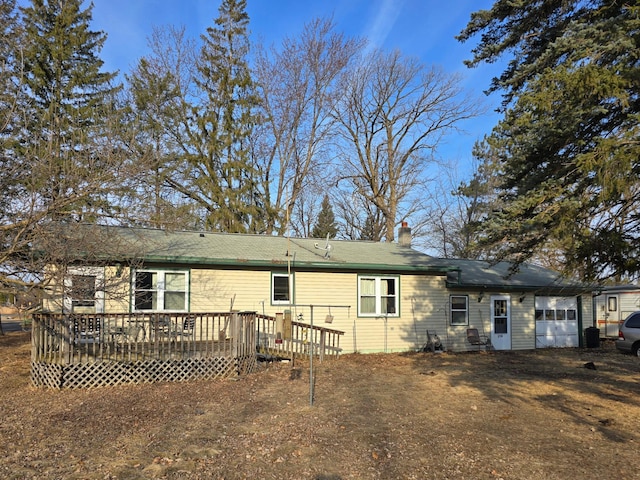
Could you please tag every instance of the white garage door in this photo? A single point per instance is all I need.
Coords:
(556, 322)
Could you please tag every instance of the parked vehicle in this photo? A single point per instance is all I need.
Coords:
(629, 335)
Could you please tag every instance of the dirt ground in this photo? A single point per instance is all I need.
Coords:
(497, 415)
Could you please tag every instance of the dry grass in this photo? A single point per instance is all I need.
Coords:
(525, 415)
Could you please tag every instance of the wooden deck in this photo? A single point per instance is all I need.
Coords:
(297, 339)
(90, 350)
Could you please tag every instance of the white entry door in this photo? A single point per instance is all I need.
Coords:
(501, 322)
(612, 316)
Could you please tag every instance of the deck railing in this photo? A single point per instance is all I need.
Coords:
(132, 337)
(106, 349)
(299, 340)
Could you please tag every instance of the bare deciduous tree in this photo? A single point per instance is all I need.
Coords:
(392, 116)
(299, 89)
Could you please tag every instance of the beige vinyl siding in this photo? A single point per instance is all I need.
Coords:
(117, 289)
(479, 317)
(425, 306)
(422, 306)
(523, 324)
(325, 288)
(217, 290)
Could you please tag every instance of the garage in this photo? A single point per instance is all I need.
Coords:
(556, 322)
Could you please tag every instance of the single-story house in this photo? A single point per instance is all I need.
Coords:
(383, 296)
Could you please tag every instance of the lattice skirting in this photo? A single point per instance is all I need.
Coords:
(100, 374)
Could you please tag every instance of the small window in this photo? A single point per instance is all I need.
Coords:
(612, 304)
(281, 289)
(459, 309)
(83, 290)
(539, 315)
(378, 296)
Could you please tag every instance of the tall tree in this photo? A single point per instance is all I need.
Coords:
(298, 86)
(222, 178)
(60, 161)
(159, 86)
(10, 67)
(69, 98)
(326, 222)
(567, 149)
(392, 115)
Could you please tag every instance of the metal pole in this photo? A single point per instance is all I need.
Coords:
(311, 350)
(311, 361)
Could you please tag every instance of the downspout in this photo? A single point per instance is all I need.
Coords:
(580, 332)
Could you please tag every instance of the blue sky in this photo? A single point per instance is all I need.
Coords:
(421, 28)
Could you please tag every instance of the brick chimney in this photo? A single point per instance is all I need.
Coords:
(404, 235)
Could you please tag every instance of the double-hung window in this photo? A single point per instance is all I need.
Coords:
(459, 308)
(161, 290)
(84, 290)
(378, 296)
(281, 289)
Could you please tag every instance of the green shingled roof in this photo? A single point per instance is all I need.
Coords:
(264, 251)
(478, 275)
(196, 248)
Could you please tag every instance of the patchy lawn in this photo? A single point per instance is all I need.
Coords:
(524, 415)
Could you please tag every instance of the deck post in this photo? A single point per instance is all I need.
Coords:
(235, 337)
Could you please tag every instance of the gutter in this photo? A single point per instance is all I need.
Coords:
(333, 266)
(520, 288)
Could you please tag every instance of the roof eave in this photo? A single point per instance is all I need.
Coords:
(568, 289)
(295, 264)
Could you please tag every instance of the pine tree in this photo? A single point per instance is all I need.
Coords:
(371, 230)
(223, 173)
(567, 149)
(9, 65)
(68, 103)
(326, 222)
(157, 88)
(61, 159)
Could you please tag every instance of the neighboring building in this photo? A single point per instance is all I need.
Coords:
(384, 296)
(612, 305)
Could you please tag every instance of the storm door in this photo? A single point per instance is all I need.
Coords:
(500, 322)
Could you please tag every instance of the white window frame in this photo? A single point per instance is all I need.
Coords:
(378, 279)
(289, 276)
(161, 289)
(97, 273)
(465, 310)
